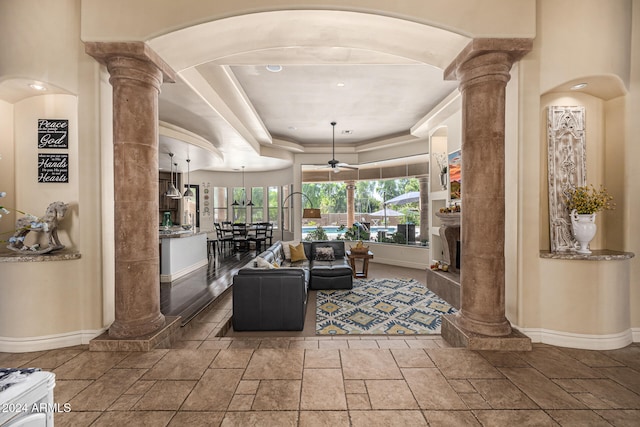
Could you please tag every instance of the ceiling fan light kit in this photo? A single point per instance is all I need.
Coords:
(334, 164)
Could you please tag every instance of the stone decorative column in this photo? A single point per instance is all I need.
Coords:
(351, 205)
(136, 75)
(423, 181)
(483, 71)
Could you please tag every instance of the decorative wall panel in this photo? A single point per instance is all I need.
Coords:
(567, 169)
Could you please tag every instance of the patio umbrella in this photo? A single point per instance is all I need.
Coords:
(403, 199)
(386, 212)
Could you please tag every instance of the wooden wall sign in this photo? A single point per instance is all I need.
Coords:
(567, 169)
(53, 133)
(53, 167)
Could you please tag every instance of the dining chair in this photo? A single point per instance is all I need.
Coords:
(240, 241)
(225, 239)
(259, 236)
(269, 232)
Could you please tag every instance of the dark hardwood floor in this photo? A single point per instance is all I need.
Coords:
(190, 294)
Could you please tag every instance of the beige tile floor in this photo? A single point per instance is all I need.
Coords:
(208, 380)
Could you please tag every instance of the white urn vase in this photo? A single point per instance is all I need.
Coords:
(584, 230)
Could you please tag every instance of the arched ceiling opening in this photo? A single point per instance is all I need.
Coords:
(377, 76)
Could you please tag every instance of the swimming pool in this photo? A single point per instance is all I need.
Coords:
(332, 230)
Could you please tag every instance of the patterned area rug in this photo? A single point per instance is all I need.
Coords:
(380, 306)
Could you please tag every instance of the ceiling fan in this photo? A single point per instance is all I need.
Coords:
(334, 164)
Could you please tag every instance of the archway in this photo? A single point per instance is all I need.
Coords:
(481, 65)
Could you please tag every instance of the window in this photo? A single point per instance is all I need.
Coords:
(399, 223)
(286, 211)
(272, 206)
(190, 215)
(239, 205)
(257, 210)
(220, 212)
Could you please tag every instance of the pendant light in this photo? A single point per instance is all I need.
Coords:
(189, 192)
(244, 192)
(177, 194)
(172, 191)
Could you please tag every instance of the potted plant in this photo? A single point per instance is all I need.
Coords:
(583, 203)
(318, 234)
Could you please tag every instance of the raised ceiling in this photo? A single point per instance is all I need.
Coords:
(368, 102)
(377, 77)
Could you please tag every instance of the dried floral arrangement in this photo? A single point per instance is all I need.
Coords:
(589, 200)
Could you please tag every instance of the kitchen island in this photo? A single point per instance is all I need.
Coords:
(181, 252)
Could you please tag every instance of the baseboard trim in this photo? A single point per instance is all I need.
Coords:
(48, 342)
(166, 278)
(399, 263)
(582, 341)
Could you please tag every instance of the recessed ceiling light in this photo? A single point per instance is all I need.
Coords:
(579, 86)
(347, 132)
(37, 86)
(340, 85)
(274, 68)
(292, 128)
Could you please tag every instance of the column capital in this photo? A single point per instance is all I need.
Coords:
(108, 52)
(511, 50)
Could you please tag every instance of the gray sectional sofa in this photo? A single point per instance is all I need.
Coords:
(266, 298)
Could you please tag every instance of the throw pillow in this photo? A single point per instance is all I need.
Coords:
(297, 253)
(325, 254)
(263, 263)
(285, 248)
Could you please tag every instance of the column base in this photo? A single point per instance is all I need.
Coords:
(161, 338)
(137, 328)
(457, 336)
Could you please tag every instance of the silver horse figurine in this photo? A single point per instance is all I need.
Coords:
(48, 225)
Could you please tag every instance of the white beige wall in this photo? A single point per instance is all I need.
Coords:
(69, 305)
(631, 187)
(63, 306)
(583, 38)
(40, 41)
(590, 304)
(7, 181)
(56, 303)
(511, 191)
(143, 19)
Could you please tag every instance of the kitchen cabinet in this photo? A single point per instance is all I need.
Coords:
(167, 204)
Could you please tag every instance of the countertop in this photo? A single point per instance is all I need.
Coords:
(178, 233)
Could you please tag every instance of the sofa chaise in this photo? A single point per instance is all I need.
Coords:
(270, 292)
